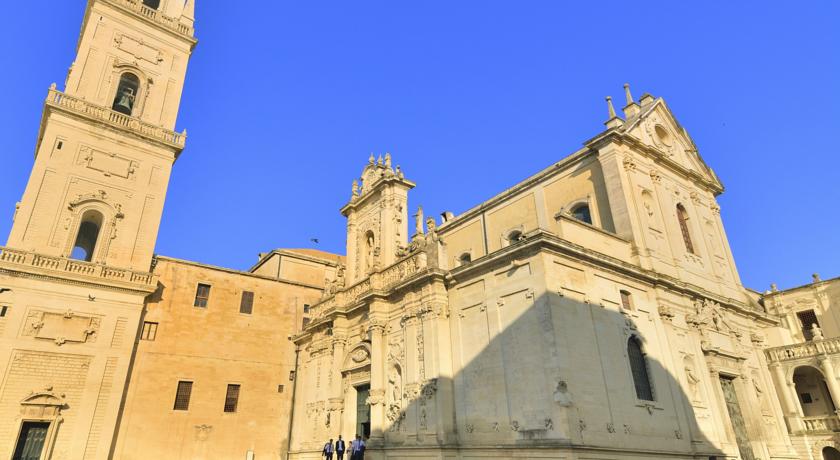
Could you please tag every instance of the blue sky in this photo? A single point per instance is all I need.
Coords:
(286, 99)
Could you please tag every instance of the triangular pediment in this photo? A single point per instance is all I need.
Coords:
(656, 126)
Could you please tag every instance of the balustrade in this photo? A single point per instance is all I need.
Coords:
(155, 16)
(803, 350)
(17, 258)
(116, 119)
(822, 423)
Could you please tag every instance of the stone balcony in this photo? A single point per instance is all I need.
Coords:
(114, 119)
(822, 424)
(137, 7)
(804, 350)
(40, 265)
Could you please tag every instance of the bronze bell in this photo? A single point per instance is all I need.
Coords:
(125, 101)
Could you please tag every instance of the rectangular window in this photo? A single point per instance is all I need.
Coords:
(149, 331)
(182, 396)
(808, 319)
(231, 398)
(626, 300)
(3, 310)
(246, 305)
(806, 398)
(202, 295)
(305, 308)
(281, 388)
(306, 321)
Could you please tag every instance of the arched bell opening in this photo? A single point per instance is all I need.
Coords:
(126, 96)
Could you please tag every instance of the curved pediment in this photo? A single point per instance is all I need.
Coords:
(46, 398)
(357, 357)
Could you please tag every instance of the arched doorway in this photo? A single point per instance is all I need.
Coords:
(812, 392)
(830, 453)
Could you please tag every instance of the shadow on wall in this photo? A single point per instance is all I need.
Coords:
(552, 372)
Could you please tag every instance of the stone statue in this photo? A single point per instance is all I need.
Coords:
(816, 332)
(355, 187)
(418, 221)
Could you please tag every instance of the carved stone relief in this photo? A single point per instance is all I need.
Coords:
(62, 328)
(138, 48)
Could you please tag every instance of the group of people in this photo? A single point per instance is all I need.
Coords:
(357, 449)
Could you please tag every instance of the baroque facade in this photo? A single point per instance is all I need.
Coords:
(593, 310)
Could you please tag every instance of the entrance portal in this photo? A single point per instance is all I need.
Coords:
(830, 453)
(31, 440)
(362, 411)
(737, 418)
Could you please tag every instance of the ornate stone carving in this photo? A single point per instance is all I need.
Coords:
(666, 313)
(514, 425)
(62, 328)
(360, 355)
(376, 397)
(707, 314)
(610, 427)
(561, 394)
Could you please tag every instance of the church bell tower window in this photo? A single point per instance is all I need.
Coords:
(87, 236)
(126, 93)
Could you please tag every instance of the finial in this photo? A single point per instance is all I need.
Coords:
(400, 173)
(627, 93)
(52, 86)
(379, 160)
(387, 160)
(371, 159)
(773, 287)
(610, 107)
(355, 187)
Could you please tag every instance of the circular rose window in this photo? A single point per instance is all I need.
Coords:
(663, 135)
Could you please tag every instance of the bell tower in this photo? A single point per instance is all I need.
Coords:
(107, 140)
(377, 227)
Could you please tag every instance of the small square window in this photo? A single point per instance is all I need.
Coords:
(246, 305)
(626, 300)
(232, 398)
(182, 395)
(149, 331)
(806, 398)
(281, 388)
(305, 308)
(202, 295)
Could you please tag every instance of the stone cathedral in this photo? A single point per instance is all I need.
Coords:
(591, 311)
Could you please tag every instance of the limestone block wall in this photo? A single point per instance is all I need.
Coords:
(213, 347)
(72, 341)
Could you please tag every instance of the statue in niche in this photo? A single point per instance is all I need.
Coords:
(423, 421)
(561, 394)
(692, 379)
(395, 382)
(370, 245)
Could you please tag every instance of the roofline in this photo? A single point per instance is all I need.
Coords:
(291, 253)
(803, 286)
(234, 272)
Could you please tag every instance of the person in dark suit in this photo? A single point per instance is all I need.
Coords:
(328, 450)
(339, 448)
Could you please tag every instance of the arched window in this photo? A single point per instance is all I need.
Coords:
(581, 213)
(87, 236)
(465, 259)
(682, 216)
(126, 93)
(515, 236)
(153, 4)
(639, 368)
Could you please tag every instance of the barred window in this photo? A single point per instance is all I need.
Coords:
(182, 395)
(247, 304)
(231, 398)
(682, 216)
(639, 368)
(149, 331)
(808, 319)
(202, 295)
(626, 300)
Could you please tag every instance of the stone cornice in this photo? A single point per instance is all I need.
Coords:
(615, 135)
(538, 240)
(156, 18)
